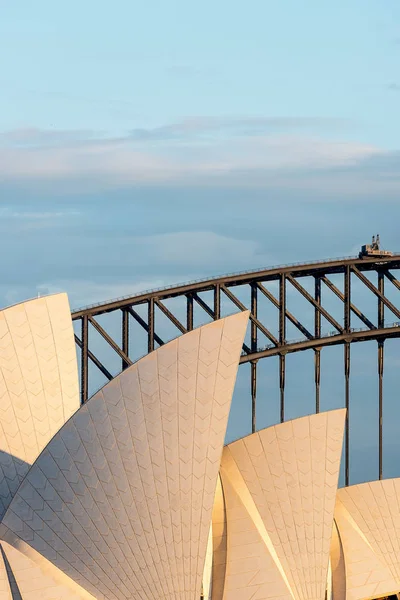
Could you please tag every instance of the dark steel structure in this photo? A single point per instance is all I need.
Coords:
(342, 332)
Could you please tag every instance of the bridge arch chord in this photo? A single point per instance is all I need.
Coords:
(255, 285)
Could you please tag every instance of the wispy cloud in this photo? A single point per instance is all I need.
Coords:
(394, 87)
(203, 151)
(236, 127)
(188, 129)
(9, 213)
(32, 137)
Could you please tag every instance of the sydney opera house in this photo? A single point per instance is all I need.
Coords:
(133, 495)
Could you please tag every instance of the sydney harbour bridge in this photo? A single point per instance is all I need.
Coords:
(316, 283)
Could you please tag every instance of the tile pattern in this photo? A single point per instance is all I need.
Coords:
(28, 564)
(279, 486)
(38, 384)
(251, 571)
(368, 521)
(121, 499)
(31, 582)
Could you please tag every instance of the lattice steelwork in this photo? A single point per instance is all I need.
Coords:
(285, 276)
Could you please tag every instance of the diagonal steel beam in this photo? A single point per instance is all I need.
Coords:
(392, 278)
(289, 315)
(170, 316)
(203, 305)
(253, 319)
(312, 301)
(354, 308)
(94, 360)
(212, 314)
(109, 339)
(375, 291)
(143, 323)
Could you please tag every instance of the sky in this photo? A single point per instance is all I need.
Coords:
(143, 144)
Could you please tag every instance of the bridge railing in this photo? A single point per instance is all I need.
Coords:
(212, 278)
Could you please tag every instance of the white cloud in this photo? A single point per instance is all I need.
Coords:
(9, 213)
(33, 137)
(202, 150)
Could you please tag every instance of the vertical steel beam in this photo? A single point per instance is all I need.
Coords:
(253, 367)
(282, 371)
(125, 336)
(381, 306)
(150, 321)
(317, 334)
(347, 404)
(253, 375)
(347, 328)
(282, 340)
(317, 377)
(217, 302)
(317, 314)
(347, 299)
(380, 379)
(189, 313)
(85, 359)
(381, 324)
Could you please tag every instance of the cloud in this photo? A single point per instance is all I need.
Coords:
(203, 151)
(394, 87)
(21, 221)
(32, 137)
(9, 213)
(270, 154)
(187, 129)
(240, 126)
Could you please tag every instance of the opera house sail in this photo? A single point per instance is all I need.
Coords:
(133, 495)
(38, 384)
(279, 491)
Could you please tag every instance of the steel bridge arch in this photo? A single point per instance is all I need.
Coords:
(287, 275)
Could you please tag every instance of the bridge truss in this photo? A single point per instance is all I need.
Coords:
(372, 274)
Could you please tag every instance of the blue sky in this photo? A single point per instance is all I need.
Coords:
(111, 68)
(148, 143)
